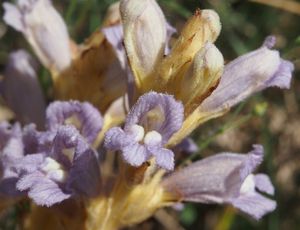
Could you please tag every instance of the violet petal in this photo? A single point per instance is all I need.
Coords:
(43, 191)
(135, 154)
(21, 89)
(164, 158)
(86, 118)
(84, 175)
(166, 111)
(254, 204)
(264, 184)
(224, 178)
(67, 168)
(116, 139)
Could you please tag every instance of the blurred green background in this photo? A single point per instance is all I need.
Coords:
(271, 118)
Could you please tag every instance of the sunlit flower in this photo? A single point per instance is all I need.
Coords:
(152, 96)
(193, 71)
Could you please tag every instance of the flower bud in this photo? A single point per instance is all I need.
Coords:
(44, 29)
(204, 26)
(202, 77)
(144, 36)
(247, 74)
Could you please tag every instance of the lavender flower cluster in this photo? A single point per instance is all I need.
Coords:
(51, 166)
(152, 96)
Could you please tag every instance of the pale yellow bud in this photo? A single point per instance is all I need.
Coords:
(204, 26)
(202, 77)
(144, 36)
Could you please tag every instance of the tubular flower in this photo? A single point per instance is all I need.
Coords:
(152, 96)
(43, 28)
(59, 172)
(241, 78)
(224, 178)
(21, 90)
(50, 165)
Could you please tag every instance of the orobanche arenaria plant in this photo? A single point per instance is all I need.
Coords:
(102, 154)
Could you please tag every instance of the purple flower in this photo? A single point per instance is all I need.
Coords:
(59, 162)
(11, 151)
(249, 74)
(86, 118)
(225, 178)
(43, 28)
(67, 167)
(21, 89)
(149, 125)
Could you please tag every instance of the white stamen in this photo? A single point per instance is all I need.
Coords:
(248, 185)
(50, 165)
(138, 131)
(54, 170)
(58, 175)
(152, 138)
